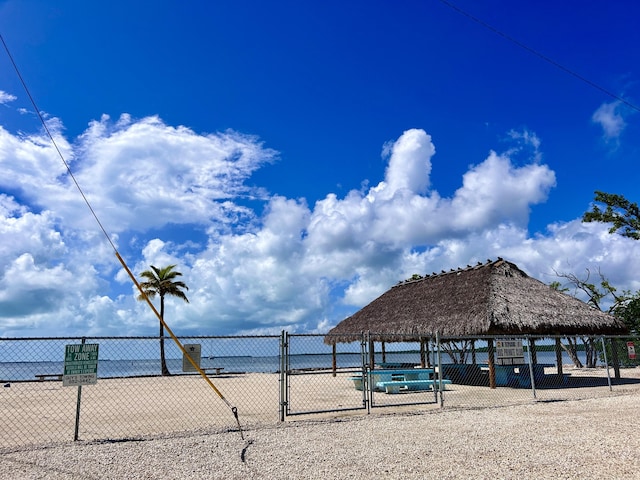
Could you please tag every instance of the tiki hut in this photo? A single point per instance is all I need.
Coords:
(494, 298)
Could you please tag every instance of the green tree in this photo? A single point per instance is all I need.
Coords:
(617, 210)
(625, 219)
(162, 282)
(629, 311)
(623, 305)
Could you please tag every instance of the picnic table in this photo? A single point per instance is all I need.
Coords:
(395, 380)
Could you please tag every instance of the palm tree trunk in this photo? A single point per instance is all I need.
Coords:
(163, 361)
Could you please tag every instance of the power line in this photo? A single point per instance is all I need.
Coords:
(233, 409)
(539, 55)
(55, 145)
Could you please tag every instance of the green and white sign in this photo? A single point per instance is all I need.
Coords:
(80, 365)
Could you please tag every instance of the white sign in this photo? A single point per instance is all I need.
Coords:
(194, 351)
(80, 365)
(631, 350)
(509, 352)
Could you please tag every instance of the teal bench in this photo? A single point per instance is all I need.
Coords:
(357, 382)
(412, 376)
(394, 386)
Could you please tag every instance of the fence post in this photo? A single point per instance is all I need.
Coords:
(370, 366)
(365, 374)
(283, 375)
(78, 403)
(606, 362)
(439, 379)
(532, 358)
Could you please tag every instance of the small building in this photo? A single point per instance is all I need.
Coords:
(494, 298)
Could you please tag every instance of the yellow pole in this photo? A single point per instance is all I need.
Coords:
(202, 373)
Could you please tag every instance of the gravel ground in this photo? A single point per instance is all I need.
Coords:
(594, 438)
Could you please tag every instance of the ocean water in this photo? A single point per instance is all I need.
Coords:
(20, 371)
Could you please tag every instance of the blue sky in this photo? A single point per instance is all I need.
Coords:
(296, 159)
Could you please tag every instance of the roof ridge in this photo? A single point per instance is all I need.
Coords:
(442, 273)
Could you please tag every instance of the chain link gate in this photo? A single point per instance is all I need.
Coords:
(323, 381)
(347, 377)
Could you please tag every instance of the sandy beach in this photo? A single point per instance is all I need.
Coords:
(175, 428)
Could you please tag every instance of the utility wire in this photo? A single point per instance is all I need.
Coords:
(539, 55)
(233, 409)
(55, 145)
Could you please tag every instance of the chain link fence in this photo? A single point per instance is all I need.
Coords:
(369, 375)
(273, 378)
(537, 369)
(131, 399)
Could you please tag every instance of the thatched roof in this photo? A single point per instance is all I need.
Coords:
(494, 298)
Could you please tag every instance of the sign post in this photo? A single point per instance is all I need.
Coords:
(80, 368)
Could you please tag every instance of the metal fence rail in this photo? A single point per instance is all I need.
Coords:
(272, 378)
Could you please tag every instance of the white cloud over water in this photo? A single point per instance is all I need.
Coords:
(255, 262)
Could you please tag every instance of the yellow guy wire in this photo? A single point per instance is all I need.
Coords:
(234, 410)
(202, 373)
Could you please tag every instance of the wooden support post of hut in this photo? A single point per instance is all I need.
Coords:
(559, 358)
(615, 360)
(334, 360)
(372, 354)
(492, 363)
(384, 353)
(423, 363)
(532, 350)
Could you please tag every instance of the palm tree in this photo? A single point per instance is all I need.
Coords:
(161, 281)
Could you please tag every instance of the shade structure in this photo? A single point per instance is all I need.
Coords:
(494, 298)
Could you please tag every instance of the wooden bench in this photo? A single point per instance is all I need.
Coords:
(410, 385)
(217, 369)
(54, 376)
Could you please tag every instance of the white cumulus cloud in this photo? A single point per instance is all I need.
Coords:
(168, 195)
(6, 97)
(609, 117)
